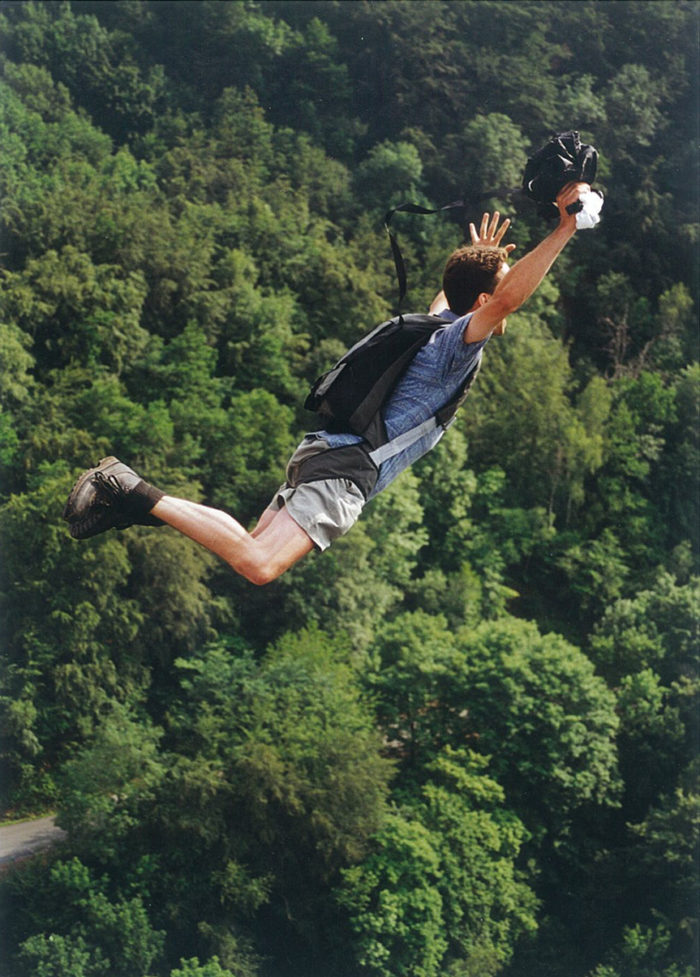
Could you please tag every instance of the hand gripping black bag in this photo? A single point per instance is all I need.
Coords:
(560, 161)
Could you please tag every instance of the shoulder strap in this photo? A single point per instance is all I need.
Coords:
(444, 417)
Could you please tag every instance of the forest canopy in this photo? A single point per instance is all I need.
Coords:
(463, 741)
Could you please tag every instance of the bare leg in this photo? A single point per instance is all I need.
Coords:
(277, 543)
(263, 522)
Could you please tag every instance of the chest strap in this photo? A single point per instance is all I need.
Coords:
(403, 441)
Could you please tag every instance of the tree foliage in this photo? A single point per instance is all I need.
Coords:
(462, 740)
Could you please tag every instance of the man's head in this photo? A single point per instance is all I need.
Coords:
(471, 275)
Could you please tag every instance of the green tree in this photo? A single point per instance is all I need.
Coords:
(665, 849)
(391, 173)
(394, 905)
(521, 416)
(97, 66)
(108, 783)
(646, 645)
(682, 463)
(492, 151)
(193, 968)
(413, 662)
(643, 952)
(59, 667)
(100, 935)
(544, 717)
(440, 892)
(276, 783)
(62, 956)
(655, 629)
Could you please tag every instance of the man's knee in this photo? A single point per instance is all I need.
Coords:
(259, 567)
(254, 568)
(266, 557)
(261, 574)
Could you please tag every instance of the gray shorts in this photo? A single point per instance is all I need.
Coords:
(326, 508)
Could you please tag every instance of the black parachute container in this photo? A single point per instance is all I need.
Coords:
(562, 160)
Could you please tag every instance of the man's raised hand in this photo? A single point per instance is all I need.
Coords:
(490, 234)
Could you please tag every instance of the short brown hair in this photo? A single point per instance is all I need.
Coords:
(471, 270)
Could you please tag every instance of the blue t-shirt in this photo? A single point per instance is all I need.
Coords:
(435, 375)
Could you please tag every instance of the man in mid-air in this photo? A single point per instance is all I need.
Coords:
(310, 511)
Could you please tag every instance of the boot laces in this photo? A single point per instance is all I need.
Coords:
(110, 486)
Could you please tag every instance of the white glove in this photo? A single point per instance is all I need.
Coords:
(591, 205)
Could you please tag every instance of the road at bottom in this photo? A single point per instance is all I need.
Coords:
(26, 838)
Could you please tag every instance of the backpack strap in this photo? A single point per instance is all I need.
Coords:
(402, 441)
(395, 250)
(410, 208)
(444, 418)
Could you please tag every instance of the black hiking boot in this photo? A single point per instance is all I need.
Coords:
(110, 496)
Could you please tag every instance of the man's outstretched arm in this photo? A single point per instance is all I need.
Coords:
(526, 275)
